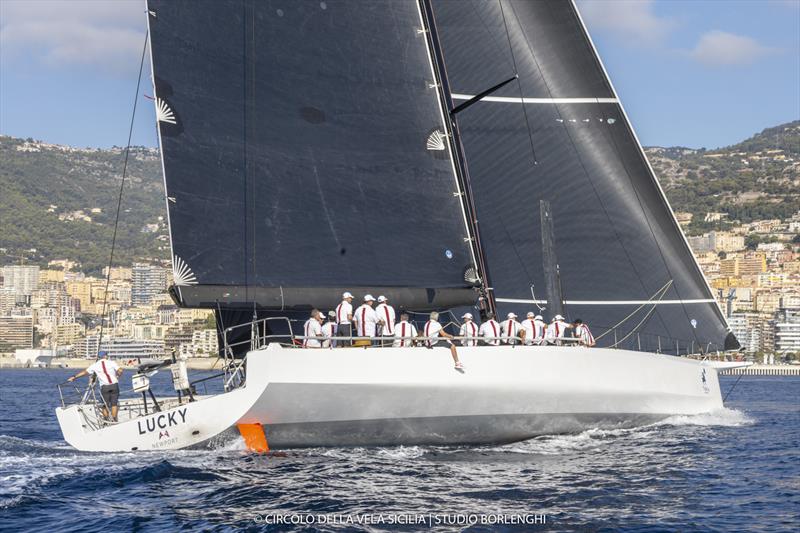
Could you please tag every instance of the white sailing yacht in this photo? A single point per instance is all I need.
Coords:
(450, 154)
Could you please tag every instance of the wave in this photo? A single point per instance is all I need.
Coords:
(721, 417)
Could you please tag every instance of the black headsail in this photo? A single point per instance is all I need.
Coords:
(560, 134)
(304, 154)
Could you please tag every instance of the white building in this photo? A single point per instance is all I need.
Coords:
(204, 344)
(23, 279)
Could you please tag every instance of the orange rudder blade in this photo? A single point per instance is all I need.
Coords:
(254, 438)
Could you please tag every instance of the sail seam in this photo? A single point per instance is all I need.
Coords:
(529, 100)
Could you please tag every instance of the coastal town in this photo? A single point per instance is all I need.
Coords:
(753, 270)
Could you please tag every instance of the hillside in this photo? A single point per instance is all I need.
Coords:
(756, 179)
(59, 202)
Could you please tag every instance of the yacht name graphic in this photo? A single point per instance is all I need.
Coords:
(162, 421)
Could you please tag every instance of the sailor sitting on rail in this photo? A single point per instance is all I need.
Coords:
(386, 313)
(434, 330)
(534, 327)
(490, 330)
(329, 330)
(512, 330)
(313, 328)
(404, 332)
(557, 330)
(366, 320)
(582, 333)
(469, 331)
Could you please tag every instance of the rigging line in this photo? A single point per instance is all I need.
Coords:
(519, 82)
(656, 296)
(631, 332)
(586, 171)
(119, 196)
(733, 387)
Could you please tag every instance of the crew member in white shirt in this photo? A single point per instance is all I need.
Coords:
(512, 330)
(583, 333)
(490, 331)
(329, 330)
(365, 318)
(107, 372)
(404, 332)
(469, 331)
(534, 327)
(557, 330)
(313, 329)
(385, 312)
(437, 336)
(344, 318)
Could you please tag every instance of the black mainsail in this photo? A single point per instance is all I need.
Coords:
(305, 154)
(560, 134)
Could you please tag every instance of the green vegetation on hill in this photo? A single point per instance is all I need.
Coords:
(43, 186)
(756, 179)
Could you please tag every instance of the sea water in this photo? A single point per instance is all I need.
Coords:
(733, 470)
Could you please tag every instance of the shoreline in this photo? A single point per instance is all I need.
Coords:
(192, 363)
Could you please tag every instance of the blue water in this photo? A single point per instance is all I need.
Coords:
(735, 470)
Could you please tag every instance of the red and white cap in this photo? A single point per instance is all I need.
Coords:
(383, 298)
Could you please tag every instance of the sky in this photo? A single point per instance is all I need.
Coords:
(697, 73)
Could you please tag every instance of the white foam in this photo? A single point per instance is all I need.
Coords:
(721, 417)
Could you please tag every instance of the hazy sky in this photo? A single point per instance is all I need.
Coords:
(689, 72)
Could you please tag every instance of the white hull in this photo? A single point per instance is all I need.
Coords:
(393, 396)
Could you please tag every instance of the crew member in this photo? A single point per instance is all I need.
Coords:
(329, 330)
(469, 331)
(557, 330)
(313, 330)
(386, 313)
(344, 318)
(490, 331)
(534, 327)
(366, 319)
(583, 333)
(107, 373)
(434, 330)
(512, 330)
(404, 332)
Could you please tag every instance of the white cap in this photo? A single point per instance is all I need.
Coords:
(558, 317)
(538, 317)
(530, 314)
(467, 315)
(332, 313)
(346, 295)
(368, 298)
(512, 315)
(382, 298)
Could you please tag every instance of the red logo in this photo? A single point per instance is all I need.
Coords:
(162, 434)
